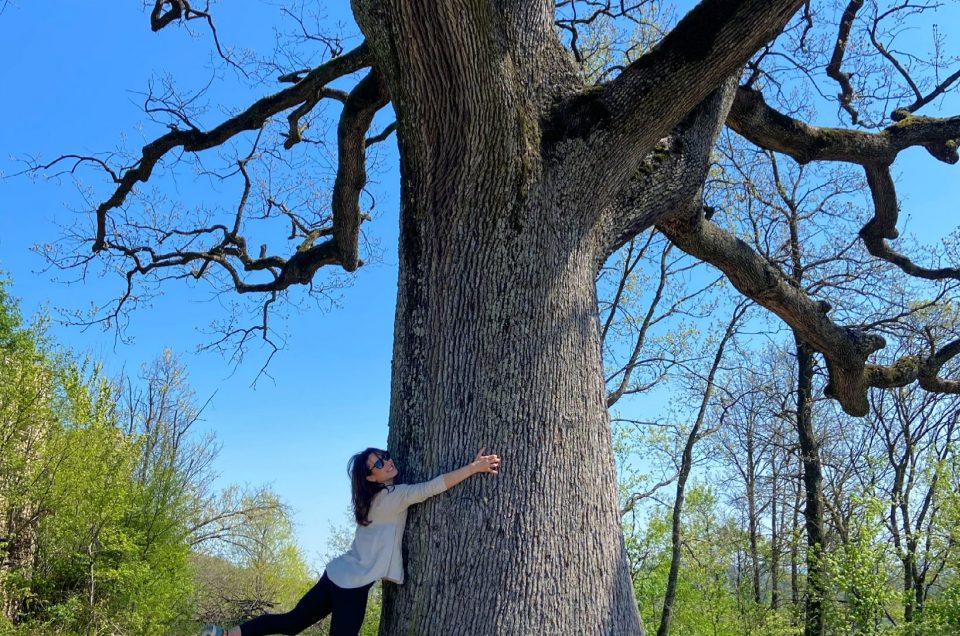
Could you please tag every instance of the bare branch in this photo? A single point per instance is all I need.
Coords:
(382, 136)
(751, 117)
(253, 118)
(761, 124)
(845, 349)
(183, 11)
(369, 96)
(840, 46)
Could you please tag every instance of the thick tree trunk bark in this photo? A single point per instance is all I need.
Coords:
(496, 339)
(496, 345)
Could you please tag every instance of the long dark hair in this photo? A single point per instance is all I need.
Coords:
(363, 490)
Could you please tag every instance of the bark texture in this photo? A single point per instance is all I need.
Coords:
(537, 549)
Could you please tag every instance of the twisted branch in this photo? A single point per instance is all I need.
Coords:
(754, 119)
(253, 118)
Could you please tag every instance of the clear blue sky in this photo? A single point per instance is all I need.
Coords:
(69, 78)
(69, 75)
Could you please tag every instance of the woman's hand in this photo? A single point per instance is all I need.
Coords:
(480, 464)
(485, 463)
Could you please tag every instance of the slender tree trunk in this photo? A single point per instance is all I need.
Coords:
(919, 592)
(686, 464)
(774, 535)
(813, 485)
(795, 551)
(752, 524)
(676, 538)
(908, 600)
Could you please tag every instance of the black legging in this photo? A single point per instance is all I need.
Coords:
(347, 604)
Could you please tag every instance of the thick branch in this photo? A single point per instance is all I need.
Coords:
(924, 371)
(670, 176)
(845, 349)
(755, 120)
(654, 93)
(253, 118)
(752, 118)
(369, 96)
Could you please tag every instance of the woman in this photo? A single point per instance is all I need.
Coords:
(380, 508)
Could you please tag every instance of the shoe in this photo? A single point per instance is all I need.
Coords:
(212, 630)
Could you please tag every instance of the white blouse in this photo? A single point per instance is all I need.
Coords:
(376, 550)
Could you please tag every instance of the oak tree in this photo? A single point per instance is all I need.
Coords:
(521, 171)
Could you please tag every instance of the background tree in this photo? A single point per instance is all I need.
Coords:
(696, 432)
(917, 435)
(107, 507)
(28, 410)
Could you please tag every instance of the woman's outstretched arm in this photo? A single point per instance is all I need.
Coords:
(404, 495)
(480, 464)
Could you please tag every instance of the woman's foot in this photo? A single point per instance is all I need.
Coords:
(212, 630)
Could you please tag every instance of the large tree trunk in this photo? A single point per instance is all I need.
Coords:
(496, 337)
(497, 345)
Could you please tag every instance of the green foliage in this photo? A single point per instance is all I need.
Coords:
(257, 568)
(942, 612)
(711, 598)
(858, 574)
(101, 506)
(100, 543)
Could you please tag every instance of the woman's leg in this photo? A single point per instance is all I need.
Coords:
(314, 606)
(349, 607)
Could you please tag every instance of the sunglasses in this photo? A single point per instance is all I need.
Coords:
(385, 457)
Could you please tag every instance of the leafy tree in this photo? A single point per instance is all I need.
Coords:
(103, 500)
(28, 411)
(257, 567)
